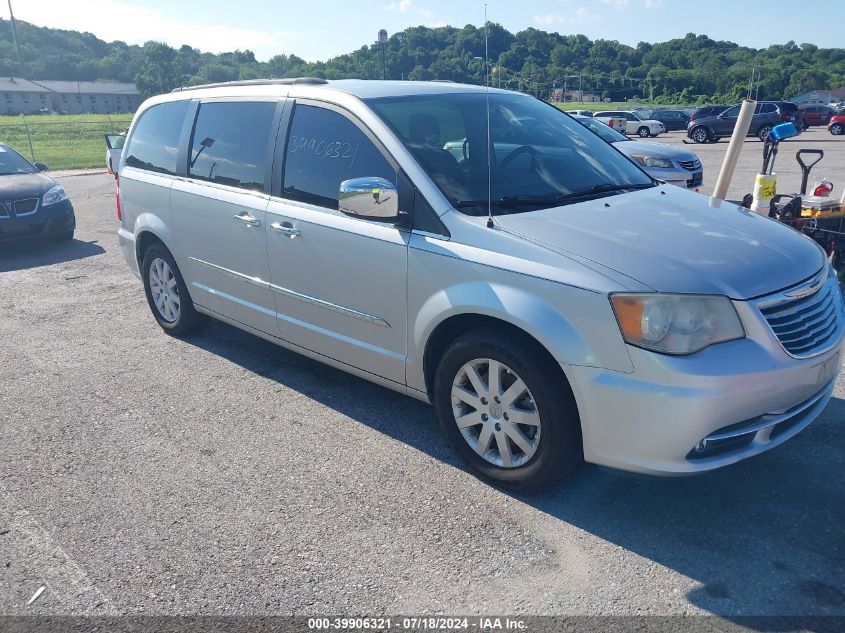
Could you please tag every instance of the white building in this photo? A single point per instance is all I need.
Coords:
(66, 97)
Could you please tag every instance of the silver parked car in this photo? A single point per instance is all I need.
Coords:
(545, 294)
(661, 161)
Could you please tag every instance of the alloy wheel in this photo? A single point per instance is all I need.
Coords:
(699, 135)
(164, 290)
(496, 413)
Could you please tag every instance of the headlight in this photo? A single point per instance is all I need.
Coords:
(653, 161)
(676, 324)
(54, 196)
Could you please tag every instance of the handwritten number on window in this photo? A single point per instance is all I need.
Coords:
(322, 148)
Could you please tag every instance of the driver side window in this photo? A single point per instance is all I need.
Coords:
(323, 149)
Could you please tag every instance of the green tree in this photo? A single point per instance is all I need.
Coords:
(159, 71)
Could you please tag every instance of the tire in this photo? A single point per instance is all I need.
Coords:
(763, 132)
(65, 236)
(700, 134)
(163, 283)
(553, 443)
(837, 129)
(643, 132)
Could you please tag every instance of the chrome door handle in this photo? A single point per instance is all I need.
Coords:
(287, 228)
(247, 219)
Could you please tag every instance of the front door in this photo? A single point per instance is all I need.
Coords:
(219, 211)
(726, 122)
(339, 281)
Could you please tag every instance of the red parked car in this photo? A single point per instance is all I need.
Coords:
(837, 125)
(816, 114)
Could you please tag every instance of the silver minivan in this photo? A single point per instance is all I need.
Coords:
(550, 299)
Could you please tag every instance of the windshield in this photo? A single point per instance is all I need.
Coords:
(603, 130)
(541, 157)
(13, 163)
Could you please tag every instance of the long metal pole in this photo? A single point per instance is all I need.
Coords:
(15, 38)
(383, 66)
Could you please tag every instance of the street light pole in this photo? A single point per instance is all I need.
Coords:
(15, 38)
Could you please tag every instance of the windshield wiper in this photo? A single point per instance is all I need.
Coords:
(509, 202)
(610, 186)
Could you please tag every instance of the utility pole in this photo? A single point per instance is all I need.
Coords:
(580, 92)
(15, 38)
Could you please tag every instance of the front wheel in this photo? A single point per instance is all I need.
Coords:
(837, 129)
(763, 132)
(507, 410)
(700, 135)
(167, 293)
(644, 132)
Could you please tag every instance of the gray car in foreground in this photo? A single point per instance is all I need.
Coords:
(661, 161)
(545, 294)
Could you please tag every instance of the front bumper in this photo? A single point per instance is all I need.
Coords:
(46, 221)
(678, 176)
(678, 415)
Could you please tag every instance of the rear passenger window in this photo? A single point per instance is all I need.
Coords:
(325, 148)
(155, 141)
(229, 143)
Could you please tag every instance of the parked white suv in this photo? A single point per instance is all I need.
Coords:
(636, 123)
(552, 300)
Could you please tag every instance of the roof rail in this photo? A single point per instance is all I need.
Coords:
(314, 81)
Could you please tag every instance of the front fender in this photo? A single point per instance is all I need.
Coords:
(576, 326)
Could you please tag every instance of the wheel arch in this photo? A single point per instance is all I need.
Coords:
(451, 328)
(149, 229)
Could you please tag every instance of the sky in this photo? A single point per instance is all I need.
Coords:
(320, 29)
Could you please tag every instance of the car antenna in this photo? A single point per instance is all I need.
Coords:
(487, 108)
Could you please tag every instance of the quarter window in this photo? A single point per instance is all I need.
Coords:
(155, 141)
(229, 143)
(324, 148)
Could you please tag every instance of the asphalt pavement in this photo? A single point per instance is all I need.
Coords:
(143, 474)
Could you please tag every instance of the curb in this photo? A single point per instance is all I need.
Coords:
(65, 173)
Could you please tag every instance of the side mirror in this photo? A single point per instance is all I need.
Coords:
(370, 198)
(41, 166)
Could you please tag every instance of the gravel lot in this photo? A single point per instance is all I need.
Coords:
(222, 475)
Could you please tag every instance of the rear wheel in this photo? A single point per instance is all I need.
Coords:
(506, 410)
(700, 134)
(643, 132)
(167, 293)
(837, 129)
(763, 132)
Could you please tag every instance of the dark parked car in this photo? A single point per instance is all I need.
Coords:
(816, 114)
(671, 119)
(787, 110)
(708, 111)
(710, 129)
(31, 203)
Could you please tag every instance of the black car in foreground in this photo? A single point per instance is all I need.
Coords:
(31, 203)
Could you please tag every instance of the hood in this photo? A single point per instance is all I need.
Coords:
(15, 186)
(674, 240)
(659, 150)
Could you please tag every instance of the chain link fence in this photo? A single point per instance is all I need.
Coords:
(62, 144)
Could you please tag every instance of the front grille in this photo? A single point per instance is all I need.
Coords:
(809, 325)
(690, 165)
(26, 205)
